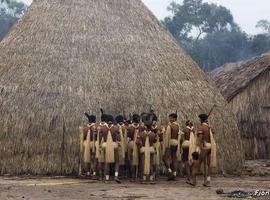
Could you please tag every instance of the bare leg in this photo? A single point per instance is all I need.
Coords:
(116, 157)
(208, 178)
(194, 173)
(116, 165)
(101, 170)
(155, 170)
(142, 163)
(95, 167)
(133, 172)
(206, 167)
(87, 168)
(106, 171)
(174, 164)
(126, 165)
(204, 171)
(172, 170)
(167, 160)
(152, 167)
(94, 163)
(132, 167)
(187, 167)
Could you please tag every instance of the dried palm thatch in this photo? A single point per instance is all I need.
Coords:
(246, 86)
(66, 57)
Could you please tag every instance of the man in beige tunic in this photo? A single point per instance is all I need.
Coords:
(133, 151)
(123, 144)
(89, 137)
(111, 138)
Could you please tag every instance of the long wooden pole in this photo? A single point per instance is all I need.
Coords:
(63, 146)
(212, 109)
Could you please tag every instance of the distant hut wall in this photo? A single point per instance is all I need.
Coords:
(252, 108)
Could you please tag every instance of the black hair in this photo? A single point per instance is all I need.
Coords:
(91, 118)
(203, 117)
(119, 119)
(136, 118)
(104, 118)
(110, 118)
(173, 115)
(195, 156)
(189, 123)
(155, 118)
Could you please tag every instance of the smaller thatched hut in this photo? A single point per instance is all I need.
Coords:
(246, 85)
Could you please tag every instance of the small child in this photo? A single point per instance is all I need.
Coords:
(194, 167)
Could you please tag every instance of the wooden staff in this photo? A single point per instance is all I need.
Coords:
(63, 146)
(212, 109)
(81, 150)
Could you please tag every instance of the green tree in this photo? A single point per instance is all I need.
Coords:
(259, 44)
(265, 25)
(195, 16)
(210, 35)
(220, 47)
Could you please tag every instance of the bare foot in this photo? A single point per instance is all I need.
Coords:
(171, 178)
(207, 184)
(188, 182)
(117, 180)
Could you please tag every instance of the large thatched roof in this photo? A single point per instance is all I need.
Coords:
(232, 78)
(66, 57)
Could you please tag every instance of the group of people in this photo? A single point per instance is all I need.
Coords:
(139, 148)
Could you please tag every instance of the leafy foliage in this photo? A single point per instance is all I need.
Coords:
(210, 35)
(265, 25)
(10, 12)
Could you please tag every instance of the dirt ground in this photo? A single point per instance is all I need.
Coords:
(56, 188)
(70, 189)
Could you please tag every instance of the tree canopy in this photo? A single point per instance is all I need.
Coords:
(210, 35)
(10, 12)
(264, 24)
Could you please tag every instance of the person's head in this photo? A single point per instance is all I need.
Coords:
(203, 118)
(128, 122)
(91, 118)
(136, 118)
(195, 156)
(110, 119)
(173, 117)
(104, 118)
(148, 124)
(189, 123)
(119, 119)
(155, 119)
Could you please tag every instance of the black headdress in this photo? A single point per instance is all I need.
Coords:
(119, 119)
(91, 118)
(173, 115)
(203, 117)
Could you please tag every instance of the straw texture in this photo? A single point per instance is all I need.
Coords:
(246, 86)
(67, 57)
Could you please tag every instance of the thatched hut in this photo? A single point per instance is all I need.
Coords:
(66, 57)
(246, 85)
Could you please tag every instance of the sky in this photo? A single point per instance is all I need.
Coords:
(246, 12)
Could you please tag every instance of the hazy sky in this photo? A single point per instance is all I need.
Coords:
(245, 12)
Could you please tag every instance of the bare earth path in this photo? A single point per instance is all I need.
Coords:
(71, 189)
